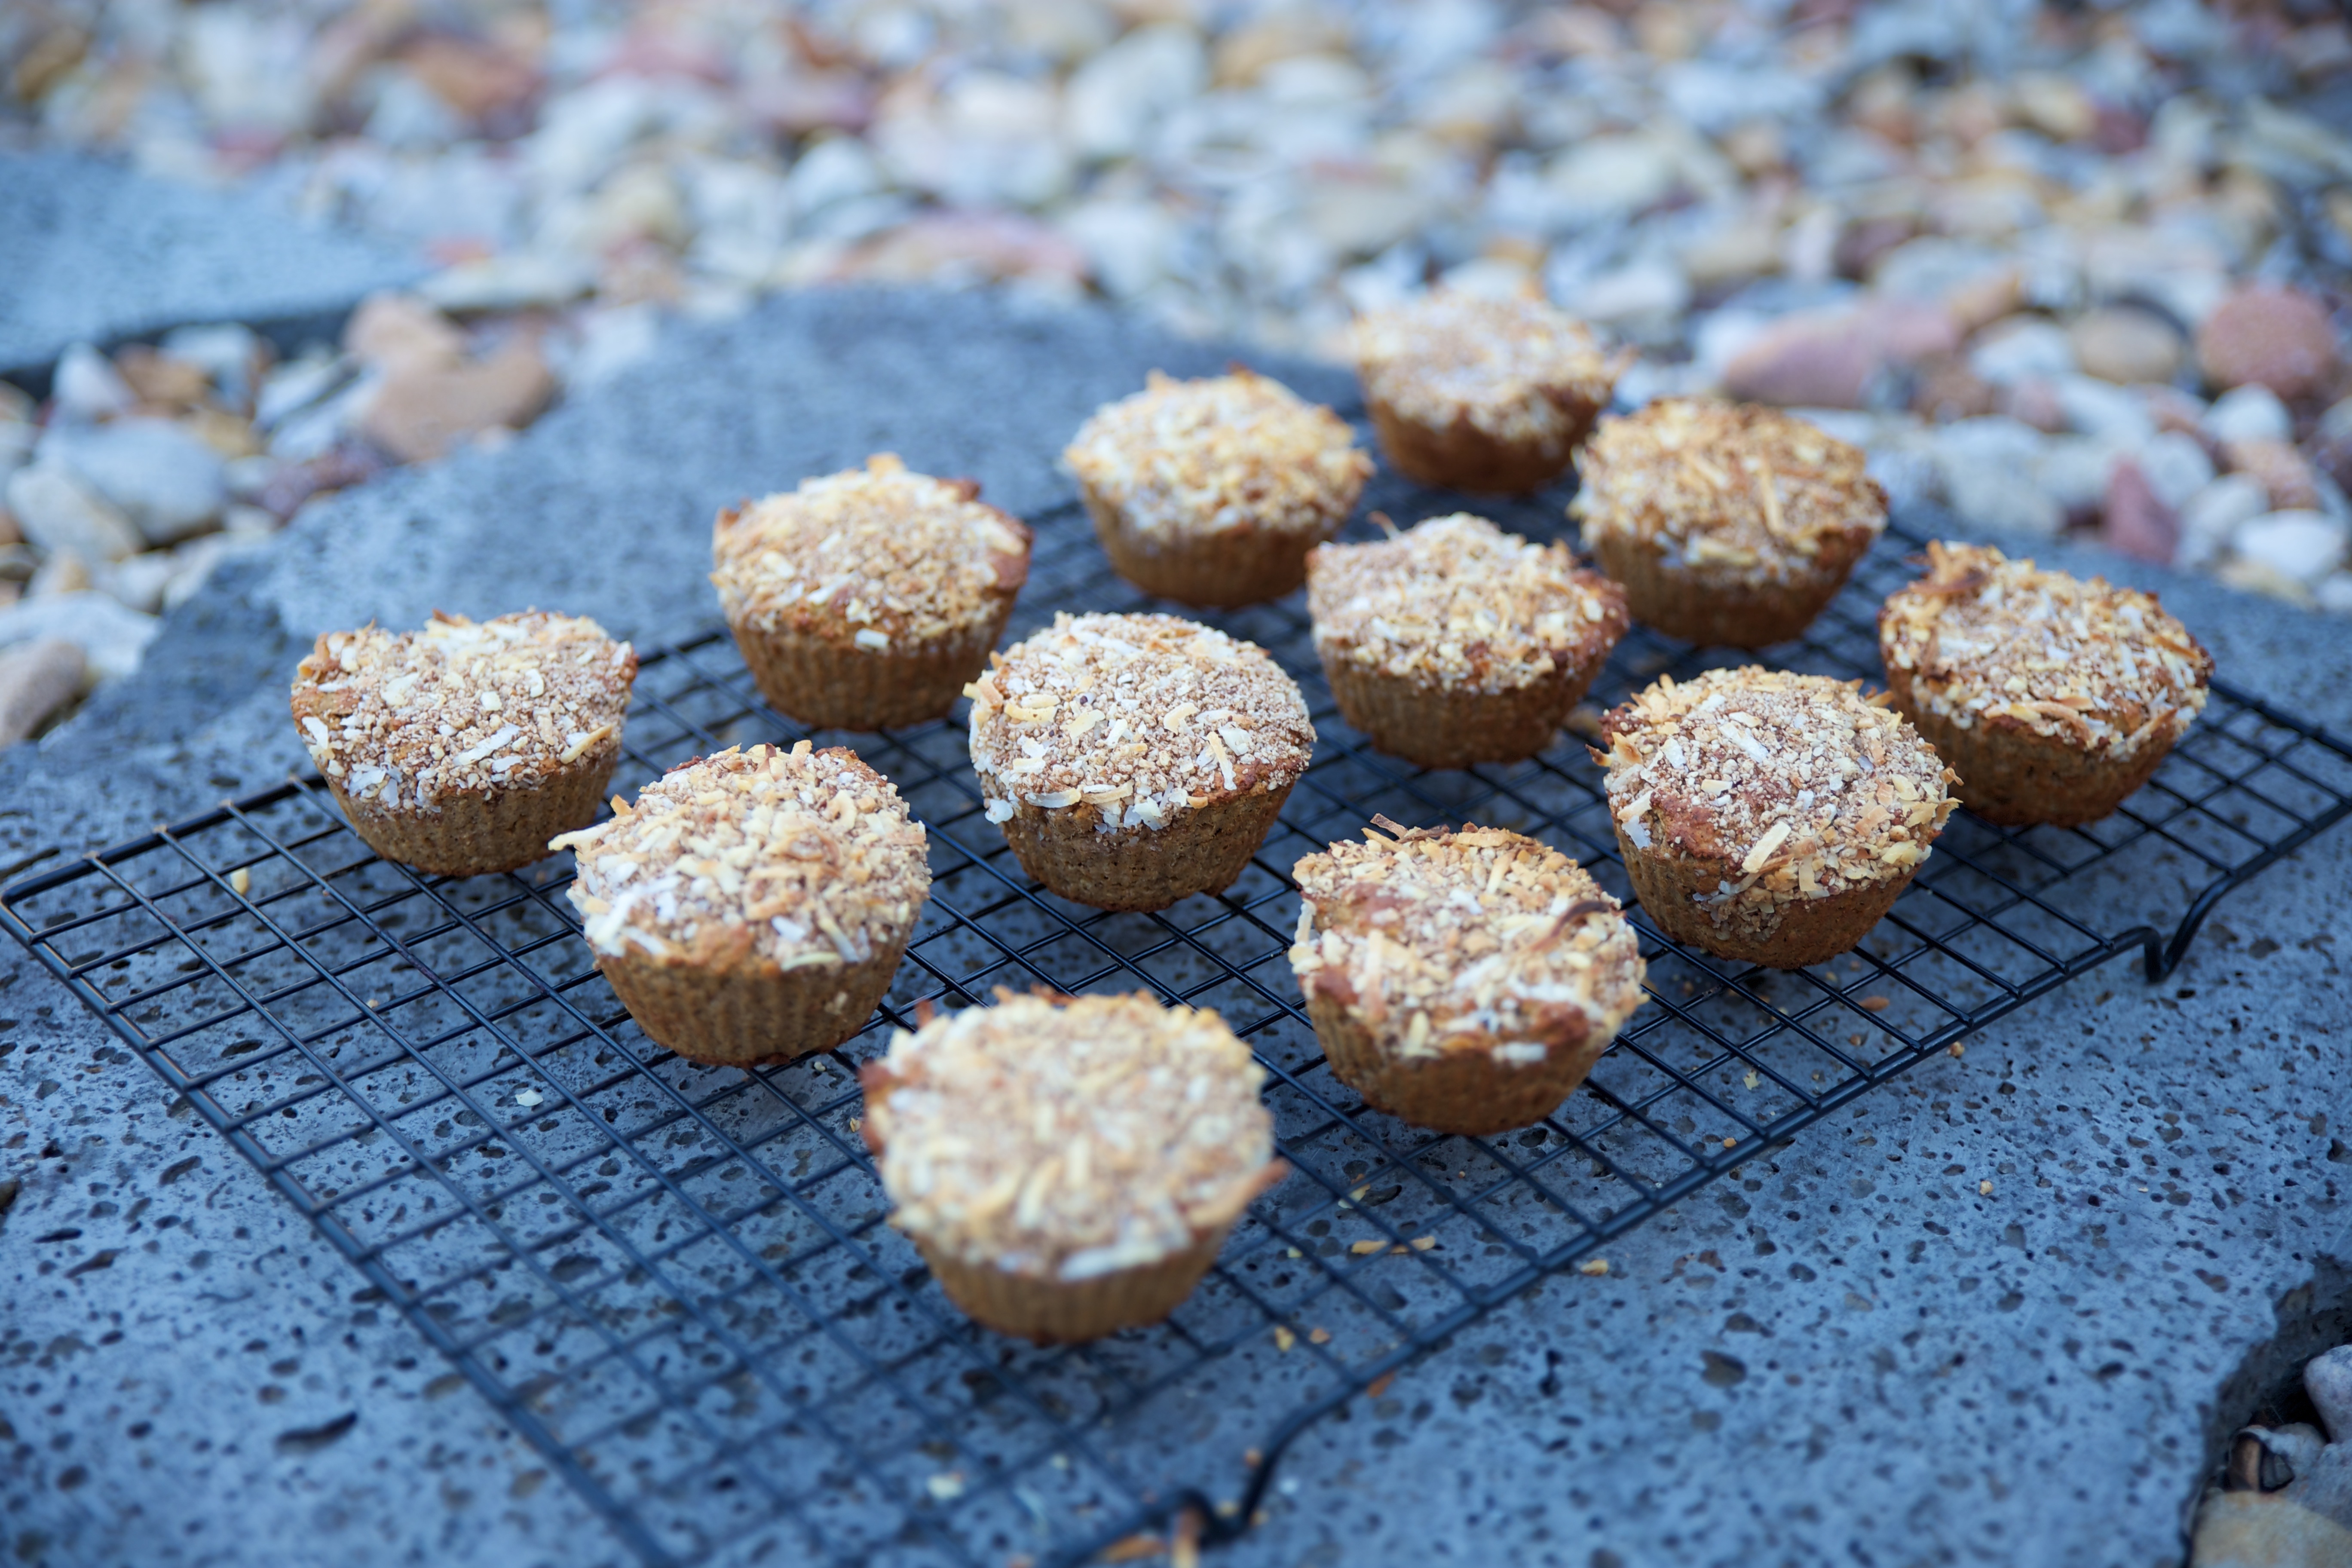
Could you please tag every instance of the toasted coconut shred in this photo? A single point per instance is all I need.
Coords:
(1994, 641)
(462, 707)
(1208, 456)
(1479, 940)
(1068, 1139)
(1139, 716)
(1518, 370)
(879, 557)
(760, 856)
(1730, 491)
(1788, 786)
(1457, 602)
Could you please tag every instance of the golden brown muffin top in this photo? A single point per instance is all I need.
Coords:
(1065, 1138)
(876, 558)
(1472, 939)
(1734, 491)
(461, 707)
(1238, 451)
(1518, 370)
(1986, 639)
(753, 858)
(1795, 786)
(1139, 716)
(1457, 602)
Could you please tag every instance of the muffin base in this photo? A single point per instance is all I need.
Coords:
(1222, 571)
(1809, 931)
(474, 835)
(1203, 850)
(748, 1017)
(1712, 615)
(2013, 777)
(1462, 457)
(1063, 1312)
(828, 687)
(1436, 726)
(1465, 1092)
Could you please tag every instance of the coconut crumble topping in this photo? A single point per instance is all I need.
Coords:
(878, 557)
(1472, 939)
(1141, 717)
(1457, 602)
(1987, 638)
(1231, 452)
(1518, 370)
(406, 719)
(1793, 786)
(1068, 1138)
(786, 857)
(1735, 490)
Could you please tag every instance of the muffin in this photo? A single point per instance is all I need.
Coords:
(1068, 1166)
(866, 600)
(1456, 643)
(1211, 492)
(1481, 395)
(752, 906)
(2053, 698)
(462, 749)
(1462, 981)
(1729, 524)
(1136, 760)
(1768, 817)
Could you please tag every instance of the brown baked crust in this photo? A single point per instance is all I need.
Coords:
(475, 833)
(1059, 1311)
(1459, 456)
(1202, 850)
(829, 685)
(1435, 726)
(1671, 600)
(2013, 777)
(1810, 933)
(1242, 565)
(749, 1014)
(1453, 1091)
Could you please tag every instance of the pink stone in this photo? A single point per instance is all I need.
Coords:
(2137, 524)
(2277, 337)
(1828, 358)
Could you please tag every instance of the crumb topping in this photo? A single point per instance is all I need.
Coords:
(1518, 370)
(1735, 491)
(1790, 786)
(462, 707)
(1069, 1137)
(761, 856)
(1141, 717)
(876, 557)
(1457, 602)
(1184, 457)
(1986, 639)
(1477, 940)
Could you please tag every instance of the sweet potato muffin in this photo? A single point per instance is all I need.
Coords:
(1456, 643)
(1462, 981)
(1729, 524)
(1211, 492)
(1488, 395)
(462, 748)
(1133, 760)
(866, 599)
(1768, 817)
(752, 906)
(2053, 698)
(1069, 1166)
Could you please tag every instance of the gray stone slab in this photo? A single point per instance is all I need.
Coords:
(1845, 1352)
(95, 252)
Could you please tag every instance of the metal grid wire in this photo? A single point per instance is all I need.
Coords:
(677, 1281)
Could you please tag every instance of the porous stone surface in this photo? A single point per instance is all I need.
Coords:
(93, 252)
(1846, 1352)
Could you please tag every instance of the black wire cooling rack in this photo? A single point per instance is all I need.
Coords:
(677, 1281)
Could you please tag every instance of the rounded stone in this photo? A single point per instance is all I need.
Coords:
(2279, 338)
(2129, 346)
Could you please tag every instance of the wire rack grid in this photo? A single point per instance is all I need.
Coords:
(678, 1282)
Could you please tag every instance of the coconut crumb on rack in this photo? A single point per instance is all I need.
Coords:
(1457, 602)
(877, 556)
(1738, 490)
(1989, 639)
(1796, 786)
(1479, 939)
(1518, 370)
(788, 857)
(1235, 451)
(1141, 717)
(1068, 1138)
(406, 719)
